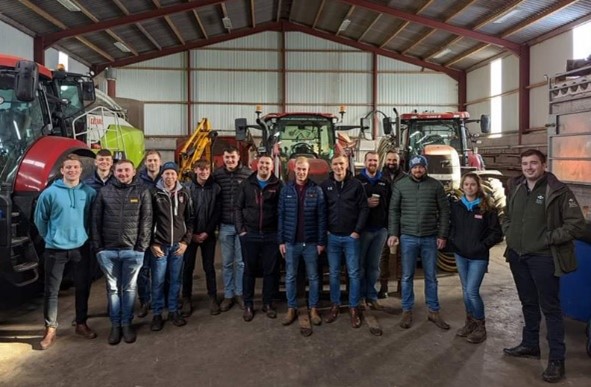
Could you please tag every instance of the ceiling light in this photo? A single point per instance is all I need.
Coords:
(70, 5)
(344, 25)
(122, 47)
(441, 53)
(506, 16)
(227, 22)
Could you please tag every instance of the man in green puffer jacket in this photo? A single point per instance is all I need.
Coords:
(541, 222)
(419, 220)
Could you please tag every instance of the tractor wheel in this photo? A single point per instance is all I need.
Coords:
(494, 189)
(446, 261)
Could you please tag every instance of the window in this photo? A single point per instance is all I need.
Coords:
(581, 41)
(496, 102)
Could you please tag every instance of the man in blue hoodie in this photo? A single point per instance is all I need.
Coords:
(62, 218)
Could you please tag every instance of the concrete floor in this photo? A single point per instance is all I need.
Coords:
(225, 351)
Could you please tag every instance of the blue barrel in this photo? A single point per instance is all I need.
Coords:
(575, 287)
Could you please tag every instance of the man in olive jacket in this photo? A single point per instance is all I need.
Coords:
(541, 221)
(419, 220)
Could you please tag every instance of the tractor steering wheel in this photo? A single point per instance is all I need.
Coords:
(303, 148)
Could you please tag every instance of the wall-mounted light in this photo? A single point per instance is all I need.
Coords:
(506, 16)
(122, 47)
(442, 53)
(70, 5)
(227, 22)
(344, 25)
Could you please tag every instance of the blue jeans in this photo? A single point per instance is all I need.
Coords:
(171, 265)
(121, 268)
(471, 273)
(309, 253)
(232, 263)
(411, 247)
(371, 245)
(336, 247)
(144, 288)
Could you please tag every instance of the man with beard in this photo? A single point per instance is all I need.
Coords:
(419, 220)
(256, 223)
(392, 173)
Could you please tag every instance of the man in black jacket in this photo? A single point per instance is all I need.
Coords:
(121, 228)
(205, 194)
(256, 223)
(347, 213)
(103, 174)
(229, 178)
(375, 232)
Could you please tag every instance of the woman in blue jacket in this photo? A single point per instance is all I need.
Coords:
(475, 229)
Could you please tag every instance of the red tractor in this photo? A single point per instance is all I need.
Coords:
(34, 138)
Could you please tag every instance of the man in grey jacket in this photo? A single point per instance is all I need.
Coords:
(419, 220)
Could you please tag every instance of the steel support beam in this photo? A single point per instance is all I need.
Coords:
(524, 91)
(39, 50)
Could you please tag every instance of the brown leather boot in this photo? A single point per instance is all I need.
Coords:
(436, 318)
(355, 317)
(315, 316)
(333, 313)
(48, 338)
(85, 331)
(406, 321)
(468, 327)
(478, 335)
(290, 316)
(383, 292)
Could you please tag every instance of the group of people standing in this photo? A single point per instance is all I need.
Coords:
(145, 232)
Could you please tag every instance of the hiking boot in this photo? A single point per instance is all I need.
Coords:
(315, 316)
(355, 317)
(129, 335)
(144, 309)
(177, 319)
(290, 316)
(468, 327)
(554, 372)
(406, 321)
(84, 331)
(375, 305)
(478, 335)
(115, 335)
(436, 318)
(248, 314)
(239, 301)
(157, 323)
(226, 304)
(48, 338)
(333, 313)
(270, 311)
(214, 307)
(523, 351)
(187, 308)
(383, 292)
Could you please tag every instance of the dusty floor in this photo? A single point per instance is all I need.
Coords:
(224, 351)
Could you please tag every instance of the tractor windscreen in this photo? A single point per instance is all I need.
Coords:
(310, 137)
(426, 132)
(21, 123)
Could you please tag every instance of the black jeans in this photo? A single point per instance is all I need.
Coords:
(55, 262)
(538, 288)
(260, 251)
(208, 255)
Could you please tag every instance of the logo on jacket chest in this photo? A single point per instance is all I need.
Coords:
(540, 199)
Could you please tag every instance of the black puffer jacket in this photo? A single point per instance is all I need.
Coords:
(256, 208)
(229, 182)
(346, 205)
(207, 204)
(122, 217)
(173, 215)
(378, 216)
(473, 233)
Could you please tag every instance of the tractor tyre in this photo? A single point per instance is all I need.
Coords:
(496, 192)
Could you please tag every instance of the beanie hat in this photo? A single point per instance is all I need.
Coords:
(170, 165)
(418, 160)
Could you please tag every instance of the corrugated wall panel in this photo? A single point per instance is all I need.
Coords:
(263, 40)
(14, 42)
(222, 117)
(235, 87)
(478, 83)
(476, 110)
(417, 90)
(510, 112)
(151, 85)
(549, 57)
(301, 41)
(538, 107)
(389, 64)
(175, 61)
(224, 59)
(331, 88)
(329, 61)
(510, 66)
(52, 59)
(165, 120)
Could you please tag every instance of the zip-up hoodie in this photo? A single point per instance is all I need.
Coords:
(173, 215)
(62, 215)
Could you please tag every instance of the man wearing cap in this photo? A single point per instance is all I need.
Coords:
(173, 227)
(419, 220)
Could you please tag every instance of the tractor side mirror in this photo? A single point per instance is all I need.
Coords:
(485, 124)
(25, 82)
(241, 126)
(387, 125)
(88, 94)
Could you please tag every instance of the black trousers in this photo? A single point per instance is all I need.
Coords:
(260, 253)
(538, 288)
(208, 256)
